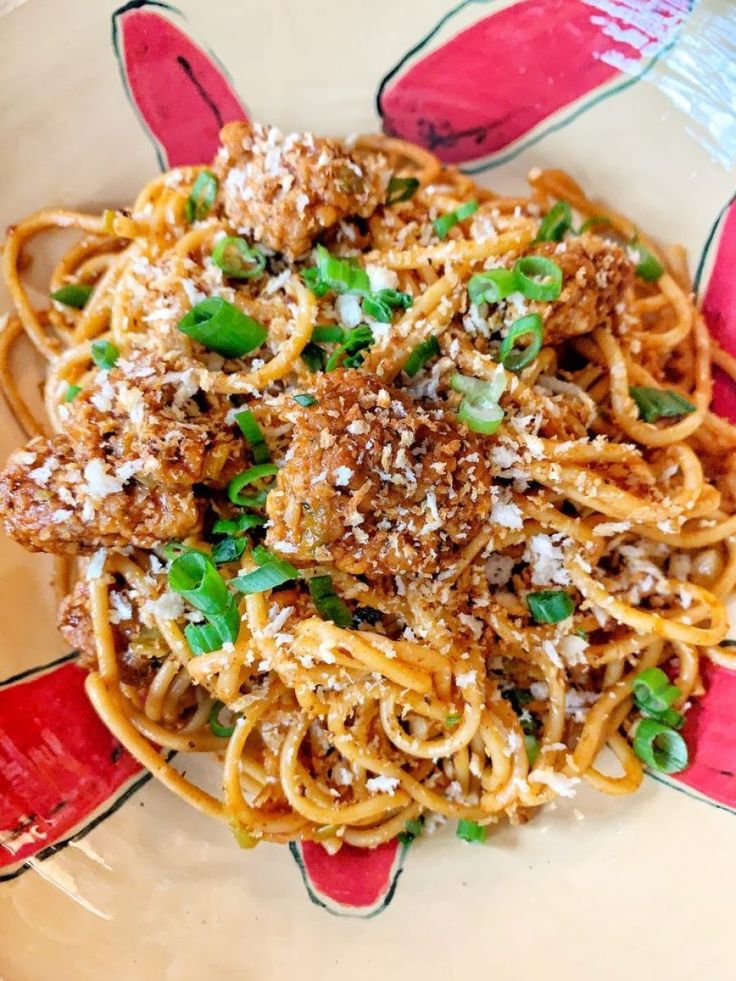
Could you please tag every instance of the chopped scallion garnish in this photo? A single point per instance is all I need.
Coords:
(237, 259)
(357, 340)
(555, 223)
(305, 399)
(471, 831)
(401, 189)
(193, 575)
(228, 550)
(222, 327)
(235, 526)
(492, 285)
(215, 723)
(104, 354)
(248, 425)
(420, 355)
(531, 744)
(445, 223)
(515, 358)
(412, 830)
(654, 696)
(71, 392)
(202, 197)
(550, 605)
(250, 476)
(539, 278)
(327, 603)
(660, 747)
(480, 409)
(74, 295)
(659, 403)
(648, 267)
(271, 572)
(328, 334)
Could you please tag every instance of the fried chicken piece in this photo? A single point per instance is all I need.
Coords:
(148, 416)
(375, 484)
(53, 501)
(74, 621)
(284, 190)
(596, 276)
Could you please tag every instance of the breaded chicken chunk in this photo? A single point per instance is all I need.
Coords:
(150, 417)
(51, 501)
(375, 484)
(283, 191)
(596, 275)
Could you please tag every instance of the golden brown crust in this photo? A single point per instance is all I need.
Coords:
(596, 275)
(285, 190)
(50, 501)
(376, 484)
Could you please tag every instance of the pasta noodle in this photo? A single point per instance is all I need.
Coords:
(442, 695)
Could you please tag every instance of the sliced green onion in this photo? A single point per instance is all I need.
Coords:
(654, 696)
(515, 358)
(471, 831)
(272, 572)
(327, 603)
(313, 282)
(340, 275)
(492, 286)
(592, 222)
(71, 392)
(648, 267)
(305, 399)
(328, 334)
(420, 355)
(539, 278)
(484, 419)
(74, 295)
(193, 575)
(250, 429)
(104, 354)
(479, 409)
(222, 327)
(380, 305)
(659, 403)
(401, 189)
(247, 477)
(244, 522)
(660, 747)
(202, 197)
(550, 605)
(237, 259)
(228, 550)
(555, 223)
(220, 629)
(531, 744)
(314, 357)
(214, 722)
(412, 830)
(444, 223)
(451, 721)
(357, 339)
(202, 638)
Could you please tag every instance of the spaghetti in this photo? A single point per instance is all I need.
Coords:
(395, 494)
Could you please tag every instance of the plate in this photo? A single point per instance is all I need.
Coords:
(102, 872)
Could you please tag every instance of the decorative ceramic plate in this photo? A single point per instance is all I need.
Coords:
(104, 874)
